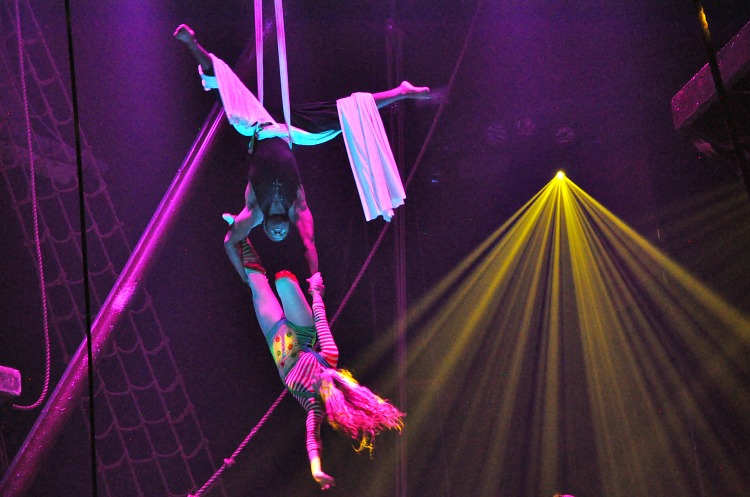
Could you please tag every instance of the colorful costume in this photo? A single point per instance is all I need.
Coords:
(299, 365)
(320, 388)
(309, 374)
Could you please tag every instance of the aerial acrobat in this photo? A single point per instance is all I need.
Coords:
(298, 336)
(274, 196)
(292, 330)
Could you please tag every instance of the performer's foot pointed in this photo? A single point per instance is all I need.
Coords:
(416, 92)
(184, 34)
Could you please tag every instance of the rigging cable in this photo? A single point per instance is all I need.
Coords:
(84, 248)
(35, 212)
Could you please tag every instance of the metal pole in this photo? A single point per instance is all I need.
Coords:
(54, 416)
(64, 400)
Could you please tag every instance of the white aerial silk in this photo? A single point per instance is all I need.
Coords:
(246, 113)
(370, 156)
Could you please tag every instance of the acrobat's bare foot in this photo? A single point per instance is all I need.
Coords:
(184, 34)
(324, 480)
(408, 90)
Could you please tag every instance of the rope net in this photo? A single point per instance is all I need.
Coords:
(149, 439)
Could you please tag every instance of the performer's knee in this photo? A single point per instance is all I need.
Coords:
(286, 281)
(286, 274)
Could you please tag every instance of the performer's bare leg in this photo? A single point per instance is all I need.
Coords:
(186, 35)
(267, 308)
(296, 308)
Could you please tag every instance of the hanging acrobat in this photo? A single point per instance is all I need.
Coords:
(275, 198)
(293, 332)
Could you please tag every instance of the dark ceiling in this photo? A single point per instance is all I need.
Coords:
(523, 88)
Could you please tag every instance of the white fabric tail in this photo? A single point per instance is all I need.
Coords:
(370, 156)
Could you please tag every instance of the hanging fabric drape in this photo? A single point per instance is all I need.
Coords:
(370, 156)
(259, 47)
(283, 71)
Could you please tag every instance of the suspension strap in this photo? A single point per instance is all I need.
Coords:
(283, 70)
(259, 47)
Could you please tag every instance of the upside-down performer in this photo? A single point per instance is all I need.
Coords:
(274, 196)
(293, 332)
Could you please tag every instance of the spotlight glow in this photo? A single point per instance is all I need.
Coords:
(560, 175)
(568, 348)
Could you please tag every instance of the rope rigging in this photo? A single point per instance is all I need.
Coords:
(141, 340)
(35, 212)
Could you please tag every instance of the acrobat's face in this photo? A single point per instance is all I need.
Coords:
(276, 227)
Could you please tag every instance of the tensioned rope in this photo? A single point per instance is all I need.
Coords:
(231, 460)
(35, 212)
(84, 248)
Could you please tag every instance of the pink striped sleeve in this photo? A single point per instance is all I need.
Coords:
(328, 348)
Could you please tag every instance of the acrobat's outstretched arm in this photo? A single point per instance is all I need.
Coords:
(330, 353)
(324, 480)
(239, 229)
(302, 217)
(328, 348)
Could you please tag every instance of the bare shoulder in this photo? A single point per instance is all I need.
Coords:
(251, 201)
(300, 203)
